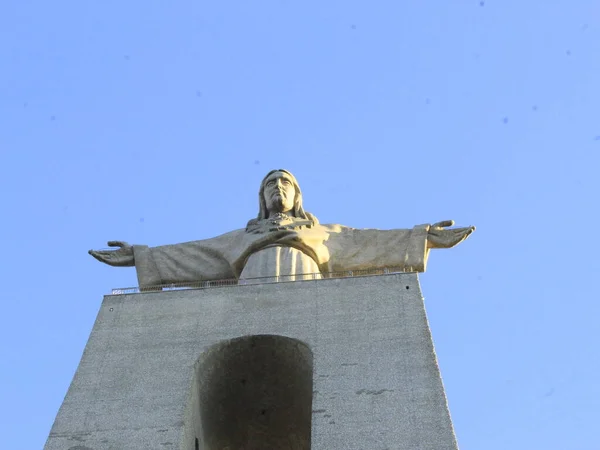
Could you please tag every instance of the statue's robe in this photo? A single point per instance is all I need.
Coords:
(292, 253)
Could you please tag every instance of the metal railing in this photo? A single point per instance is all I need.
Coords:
(205, 284)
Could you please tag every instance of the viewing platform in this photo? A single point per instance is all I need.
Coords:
(205, 284)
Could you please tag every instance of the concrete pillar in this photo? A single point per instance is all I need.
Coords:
(323, 365)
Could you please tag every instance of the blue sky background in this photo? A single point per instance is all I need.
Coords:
(154, 122)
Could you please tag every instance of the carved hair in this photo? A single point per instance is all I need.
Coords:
(297, 211)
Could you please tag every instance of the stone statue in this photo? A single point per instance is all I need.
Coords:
(284, 241)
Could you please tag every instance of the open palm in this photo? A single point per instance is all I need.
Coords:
(440, 236)
(123, 257)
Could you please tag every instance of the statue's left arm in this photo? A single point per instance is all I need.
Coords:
(401, 249)
(362, 249)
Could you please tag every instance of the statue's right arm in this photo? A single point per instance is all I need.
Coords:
(123, 257)
(208, 259)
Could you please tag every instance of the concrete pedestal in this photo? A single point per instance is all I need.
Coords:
(328, 364)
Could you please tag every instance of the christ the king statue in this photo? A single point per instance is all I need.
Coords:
(283, 241)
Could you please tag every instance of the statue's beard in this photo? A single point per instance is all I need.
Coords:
(277, 203)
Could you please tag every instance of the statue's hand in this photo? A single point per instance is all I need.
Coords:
(123, 257)
(440, 237)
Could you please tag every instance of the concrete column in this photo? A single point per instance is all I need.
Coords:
(218, 368)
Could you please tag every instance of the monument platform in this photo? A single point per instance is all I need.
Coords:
(343, 363)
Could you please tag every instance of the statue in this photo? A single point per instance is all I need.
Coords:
(284, 241)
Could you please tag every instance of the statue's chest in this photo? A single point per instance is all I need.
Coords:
(281, 222)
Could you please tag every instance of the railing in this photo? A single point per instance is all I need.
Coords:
(205, 284)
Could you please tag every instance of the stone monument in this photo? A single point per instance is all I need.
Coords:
(284, 240)
(330, 361)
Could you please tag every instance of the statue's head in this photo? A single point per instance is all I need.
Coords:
(280, 193)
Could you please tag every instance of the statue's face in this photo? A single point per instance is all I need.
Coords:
(279, 193)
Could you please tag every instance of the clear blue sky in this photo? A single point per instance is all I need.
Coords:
(154, 122)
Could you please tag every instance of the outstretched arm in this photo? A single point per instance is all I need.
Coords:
(365, 249)
(208, 259)
(181, 263)
(401, 249)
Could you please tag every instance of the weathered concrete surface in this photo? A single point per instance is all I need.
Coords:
(142, 381)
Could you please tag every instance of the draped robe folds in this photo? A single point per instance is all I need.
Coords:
(286, 253)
